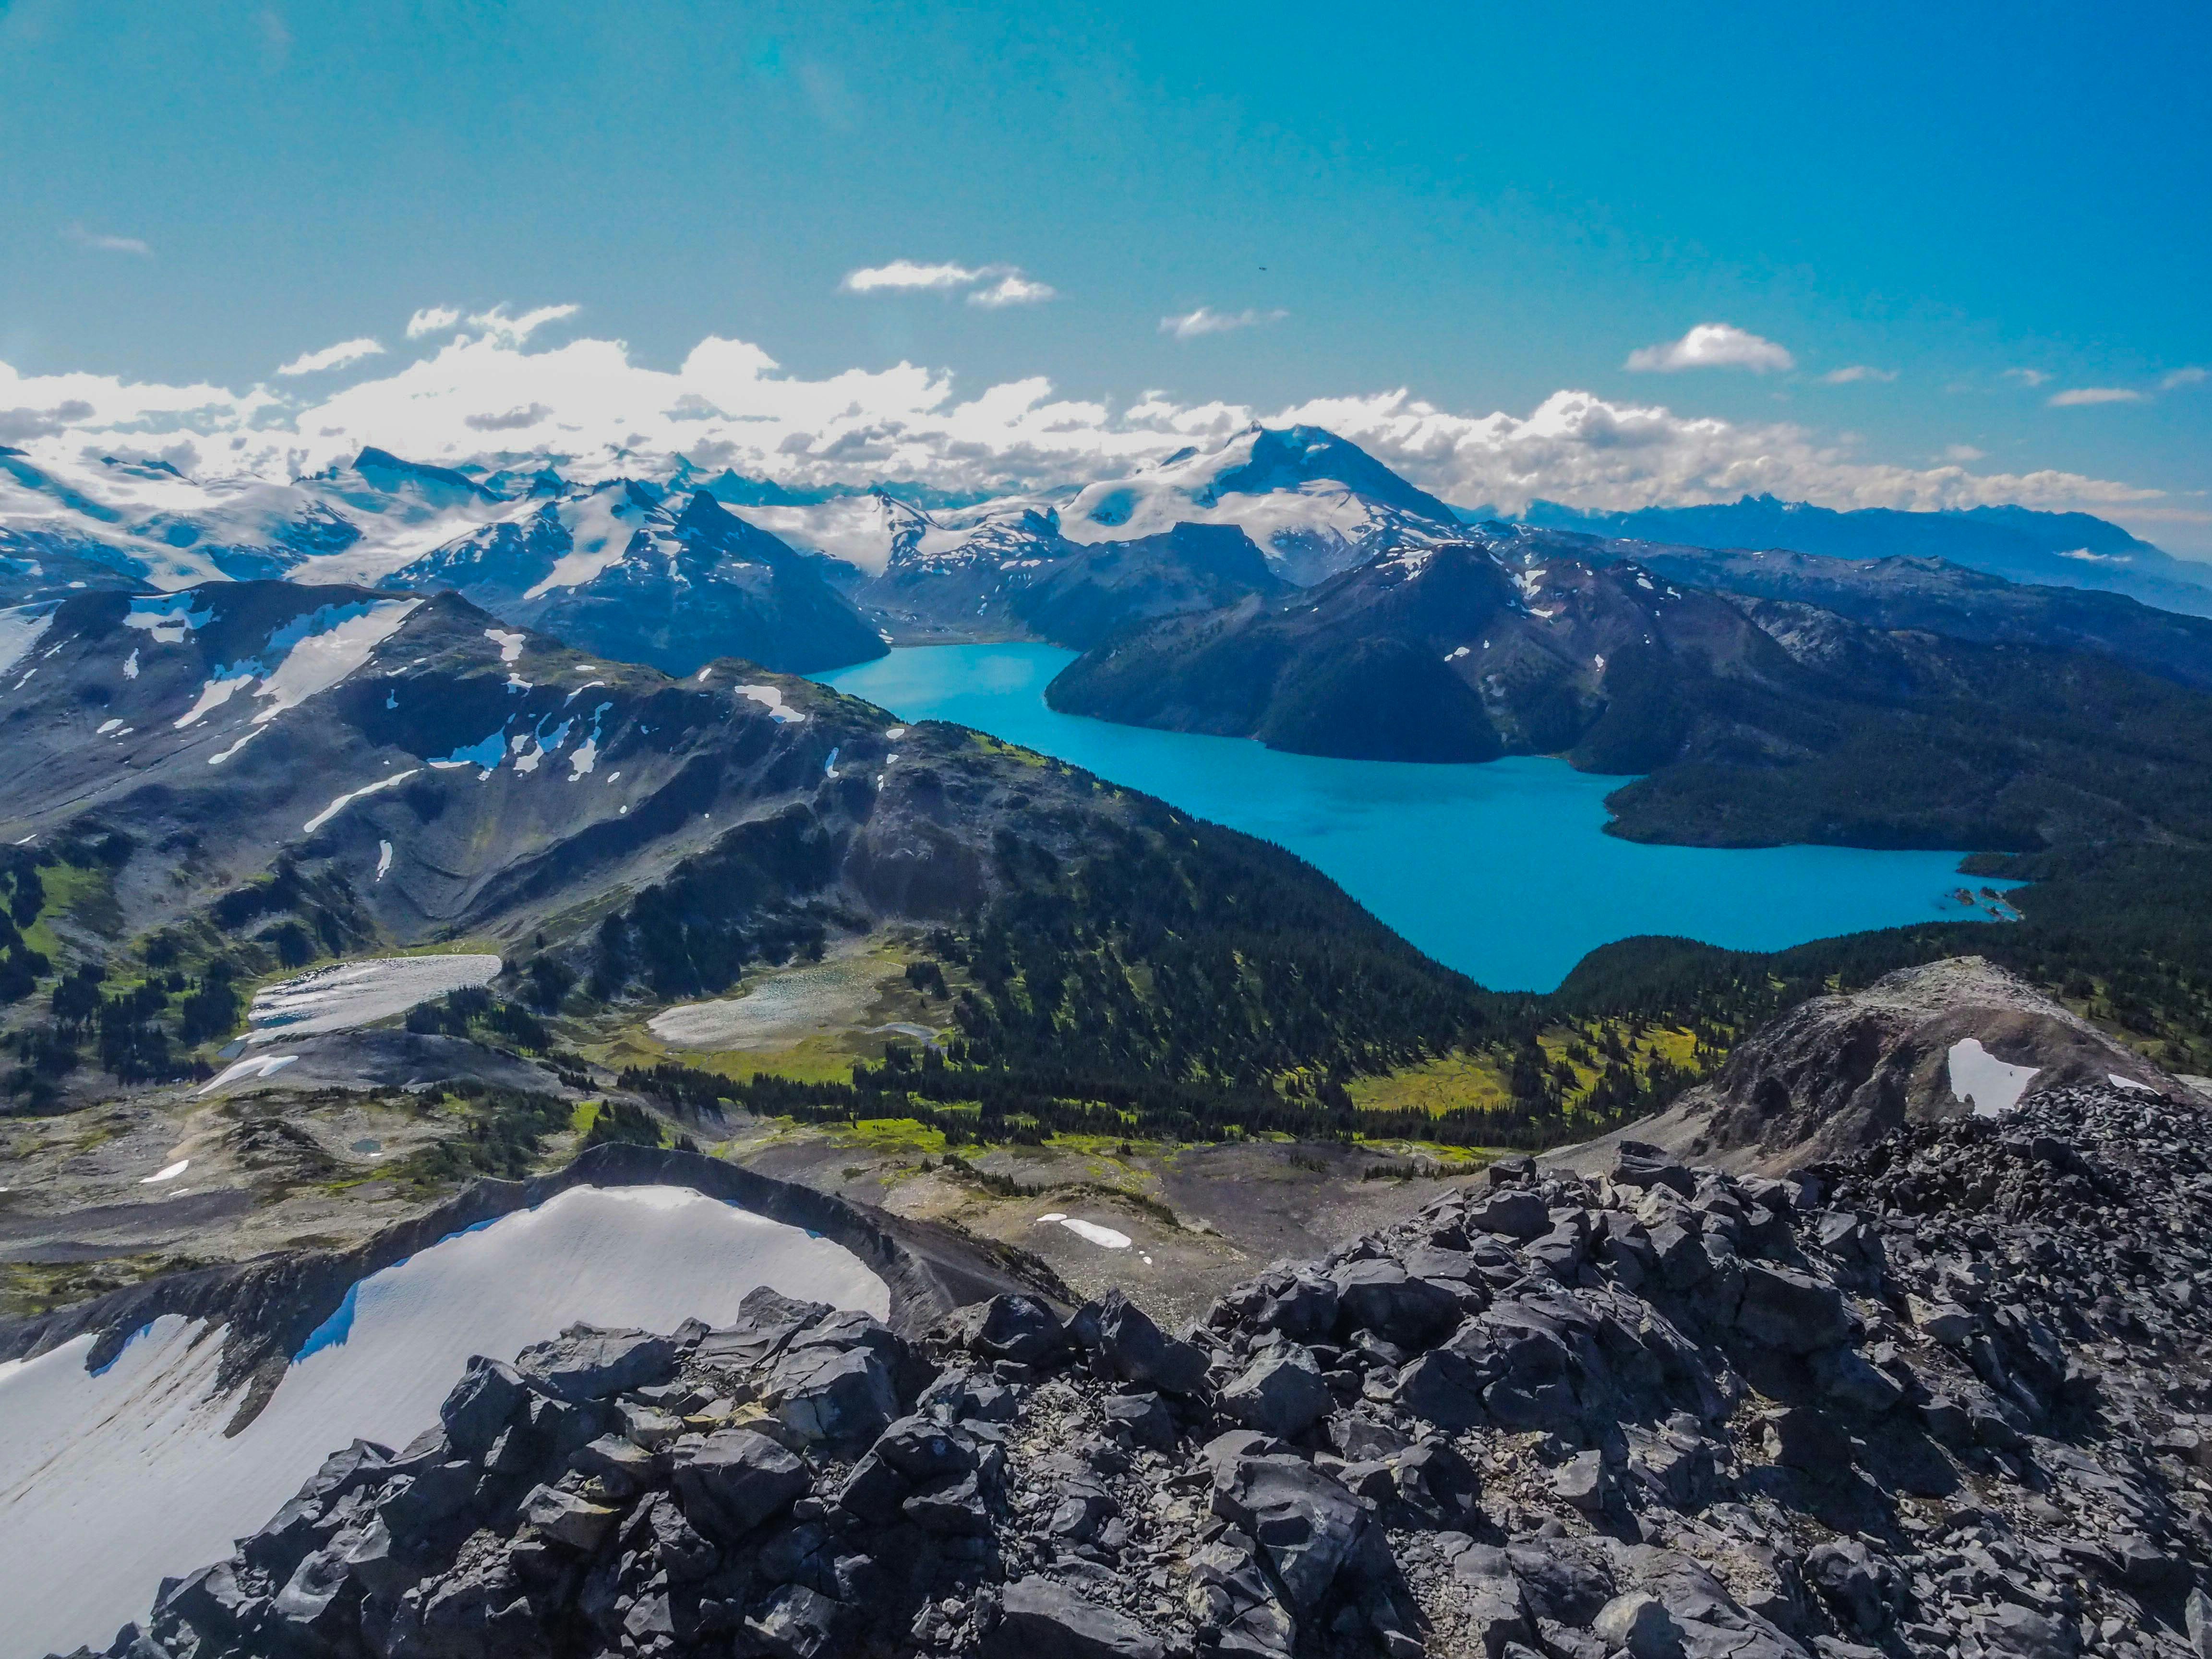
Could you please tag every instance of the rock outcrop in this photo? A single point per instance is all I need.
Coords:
(1951, 1394)
(1837, 1073)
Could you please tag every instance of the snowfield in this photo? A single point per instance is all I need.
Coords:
(110, 1482)
(350, 993)
(1978, 1076)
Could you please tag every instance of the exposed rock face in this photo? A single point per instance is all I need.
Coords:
(1836, 1073)
(1949, 1396)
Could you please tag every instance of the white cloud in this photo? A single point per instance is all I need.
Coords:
(1964, 452)
(515, 330)
(1712, 346)
(336, 356)
(1207, 320)
(1856, 372)
(2027, 376)
(2182, 376)
(432, 319)
(2080, 395)
(100, 243)
(903, 275)
(490, 394)
(1012, 290)
(1007, 285)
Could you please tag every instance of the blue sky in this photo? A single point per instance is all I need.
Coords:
(1980, 210)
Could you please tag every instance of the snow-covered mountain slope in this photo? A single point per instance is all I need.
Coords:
(875, 529)
(420, 768)
(148, 523)
(1315, 503)
(623, 570)
(112, 1480)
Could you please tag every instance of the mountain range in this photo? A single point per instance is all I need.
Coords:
(530, 541)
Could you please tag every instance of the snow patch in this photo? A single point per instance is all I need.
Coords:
(1978, 1076)
(168, 618)
(19, 631)
(254, 1065)
(1106, 1239)
(212, 695)
(350, 993)
(383, 860)
(110, 1482)
(510, 644)
(130, 664)
(221, 756)
(2119, 1082)
(348, 798)
(771, 698)
(168, 1173)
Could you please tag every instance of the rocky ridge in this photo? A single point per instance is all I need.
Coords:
(1946, 1396)
(1837, 1072)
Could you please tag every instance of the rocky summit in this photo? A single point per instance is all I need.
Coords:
(1951, 1394)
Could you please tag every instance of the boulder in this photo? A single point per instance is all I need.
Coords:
(1307, 1524)
(767, 1321)
(1496, 1613)
(1378, 1295)
(1511, 1215)
(798, 1622)
(842, 1394)
(1444, 1386)
(1639, 1164)
(1039, 1619)
(1135, 1349)
(484, 1402)
(586, 1363)
(1790, 1310)
(1145, 1417)
(1281, 1392)
(731, 1481)
(1638, 1624)
(1021, 1328)
(1303, 1310)
(953, 1507)
(568, 1519)
(1843, 1570)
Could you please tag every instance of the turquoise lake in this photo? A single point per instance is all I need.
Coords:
(1503, 871)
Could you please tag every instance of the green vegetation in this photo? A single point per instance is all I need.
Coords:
(485, 1132)
(473, 1011)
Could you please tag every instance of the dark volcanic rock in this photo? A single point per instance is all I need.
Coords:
(1952, 1396)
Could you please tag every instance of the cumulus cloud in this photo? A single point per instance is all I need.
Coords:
(1964, 452)
(102, 243)
(903, 275)
(2027, 376)
(1207, 320)
(2076, 397)
(1856, 372)
(515, 419)
(336, 357)
(432, 319)
(2182, 376)
(515, 331)
(992, 286)
(493, 394)
(1712, 346)
(1012, 290)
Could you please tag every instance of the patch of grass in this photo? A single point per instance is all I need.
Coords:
(1457, 1082)
(30, 1288)
(87, 895)
(892, 1135)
